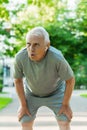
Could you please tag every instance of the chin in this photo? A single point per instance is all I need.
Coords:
(33, 59)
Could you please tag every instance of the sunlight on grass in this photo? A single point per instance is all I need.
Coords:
(84, 95)
(4, 101)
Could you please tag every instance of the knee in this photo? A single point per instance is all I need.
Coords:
(27, 126)
(64, 125)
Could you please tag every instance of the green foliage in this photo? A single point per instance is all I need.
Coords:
(4, 1)
(3, 12)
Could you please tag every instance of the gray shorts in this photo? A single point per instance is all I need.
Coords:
(53, 102)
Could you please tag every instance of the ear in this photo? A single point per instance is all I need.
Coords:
(47, 46)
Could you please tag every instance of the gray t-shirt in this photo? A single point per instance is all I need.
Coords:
(45, 76)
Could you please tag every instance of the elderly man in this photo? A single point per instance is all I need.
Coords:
(49, 80)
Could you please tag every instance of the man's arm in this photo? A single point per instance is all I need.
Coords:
(20, 91)
(21, 95)
(69, 88)
(65, 109)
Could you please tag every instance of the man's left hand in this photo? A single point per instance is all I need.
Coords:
(65, 109)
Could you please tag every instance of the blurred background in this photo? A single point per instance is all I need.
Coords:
(66, 22)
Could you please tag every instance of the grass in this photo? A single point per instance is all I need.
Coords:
(3, 92)
(4, 101)
(84, 95)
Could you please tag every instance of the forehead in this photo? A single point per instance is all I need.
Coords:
(35, 38)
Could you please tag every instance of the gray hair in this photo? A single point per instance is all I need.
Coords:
(39, 31)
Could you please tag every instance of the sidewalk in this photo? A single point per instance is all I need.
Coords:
(45, 118)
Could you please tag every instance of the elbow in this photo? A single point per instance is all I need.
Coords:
(17, 81)
(71, 82)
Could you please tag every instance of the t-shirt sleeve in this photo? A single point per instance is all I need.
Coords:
(18, 69)
(64, 70)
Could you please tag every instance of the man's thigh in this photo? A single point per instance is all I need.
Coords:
(33, 106)
(54, 102)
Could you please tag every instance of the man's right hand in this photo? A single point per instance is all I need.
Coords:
(23, 110)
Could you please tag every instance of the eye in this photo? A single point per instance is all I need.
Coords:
(37, 44)
(29, 44)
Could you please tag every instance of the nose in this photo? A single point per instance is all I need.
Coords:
(32, 48)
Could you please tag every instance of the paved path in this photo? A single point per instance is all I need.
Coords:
(45, 118)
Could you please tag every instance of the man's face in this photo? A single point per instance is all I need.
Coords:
(36, 47)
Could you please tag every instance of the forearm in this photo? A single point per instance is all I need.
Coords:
(20, 91)
(68, 91)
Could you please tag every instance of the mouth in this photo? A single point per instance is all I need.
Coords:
(32, 55)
